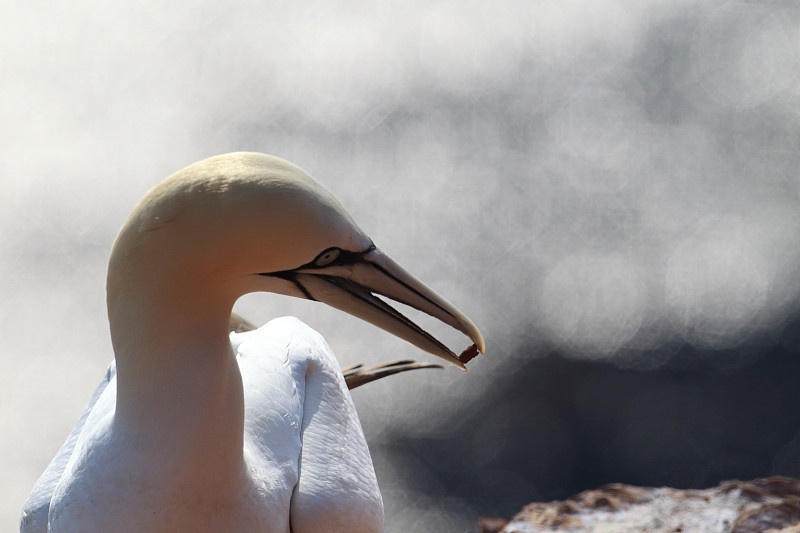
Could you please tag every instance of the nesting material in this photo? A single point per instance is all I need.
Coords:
(469, 354)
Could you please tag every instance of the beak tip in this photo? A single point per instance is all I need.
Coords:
(456, 361)
(472, 331)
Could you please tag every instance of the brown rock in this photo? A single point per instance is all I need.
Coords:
(770, 505)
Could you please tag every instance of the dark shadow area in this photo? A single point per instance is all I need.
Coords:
(560, 426)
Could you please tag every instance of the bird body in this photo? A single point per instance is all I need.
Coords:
(195, 429)
(293, 391)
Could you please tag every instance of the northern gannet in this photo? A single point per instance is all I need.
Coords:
(198, 430)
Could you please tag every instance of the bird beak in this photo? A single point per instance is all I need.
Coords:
(353, 285)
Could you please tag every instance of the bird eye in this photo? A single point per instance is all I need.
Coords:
(327, 257)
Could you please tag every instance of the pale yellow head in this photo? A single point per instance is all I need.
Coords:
(245, 222)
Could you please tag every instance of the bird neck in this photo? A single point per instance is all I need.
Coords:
(178, 383)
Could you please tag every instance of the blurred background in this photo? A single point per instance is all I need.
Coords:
(609, 189)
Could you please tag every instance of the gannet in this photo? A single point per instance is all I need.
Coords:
(197, 429)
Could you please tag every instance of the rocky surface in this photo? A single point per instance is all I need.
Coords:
(770, 505)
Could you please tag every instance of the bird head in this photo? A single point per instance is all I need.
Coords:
(246, 222)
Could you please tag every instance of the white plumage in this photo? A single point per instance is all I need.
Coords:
(195, 429)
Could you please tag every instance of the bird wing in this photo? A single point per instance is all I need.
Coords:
(310, 418)
(34, 514)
